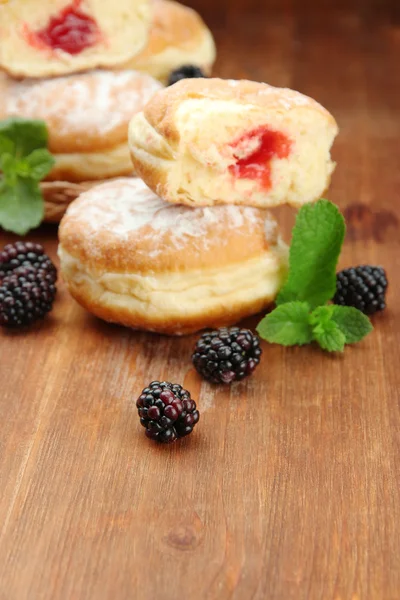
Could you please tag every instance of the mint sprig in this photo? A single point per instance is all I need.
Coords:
(24, 162)
(302, 314)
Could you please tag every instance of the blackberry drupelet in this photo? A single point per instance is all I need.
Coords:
(363, 287)
(227, 354)
(26, 295)
(22, 254)
(167, 411)
(185, 72)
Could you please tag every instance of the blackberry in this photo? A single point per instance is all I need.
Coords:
(185, 72)
(227, 354)
(22, 254)
(363, 287)
(26, 295)
(167, 411)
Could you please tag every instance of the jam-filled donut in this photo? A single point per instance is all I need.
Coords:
(131, 258)
(44, 38)
(87, 117)
(210, 141)
(178, 36)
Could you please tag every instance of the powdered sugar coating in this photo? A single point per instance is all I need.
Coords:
(95, 102)
(288, 98)
(270, 229)
(128, 207)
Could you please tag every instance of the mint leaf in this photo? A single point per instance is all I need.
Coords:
(321, 315)
(329, 336)
(352, 323)
(316, 242)
(6, 145)
(8, 167)
(288, 325)
(40, 163)
(26, 134)
(21, 205)
(325, 331)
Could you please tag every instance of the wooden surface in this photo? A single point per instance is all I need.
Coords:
(289, 487)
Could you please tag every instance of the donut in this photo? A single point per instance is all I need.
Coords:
(87, 117)
(55, 37)
(201, 142)
(129, 257)
(178, 36)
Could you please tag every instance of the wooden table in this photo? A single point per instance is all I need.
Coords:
(289, 487)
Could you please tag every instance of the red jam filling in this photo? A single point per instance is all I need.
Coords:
(268, 144)
(71, 31)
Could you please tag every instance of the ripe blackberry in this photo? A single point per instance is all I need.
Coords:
(363, 287)
(26, 295)
(227, 354)
(22, 254)
(167, 411)
(185, 72)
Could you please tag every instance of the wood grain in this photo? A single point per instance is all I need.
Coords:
(289, 487)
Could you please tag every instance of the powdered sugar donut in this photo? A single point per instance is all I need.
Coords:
(87, 116)
(131, 258)
(55, 37)
(208, 141)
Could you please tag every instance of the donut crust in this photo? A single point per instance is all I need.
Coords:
(178, 36)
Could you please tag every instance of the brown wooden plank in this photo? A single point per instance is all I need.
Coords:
(289, 487)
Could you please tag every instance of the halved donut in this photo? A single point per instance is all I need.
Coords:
(213, 141)
(56, 37)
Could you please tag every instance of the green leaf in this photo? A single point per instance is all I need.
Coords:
(40, 162)
(330, 337)
(26, 134)
(288, 325)
(8, 164)
(325, 331)
(321, 315)
(21, 205)
(352, 323)
(316, 242)
(7, 146)
(21, 168)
